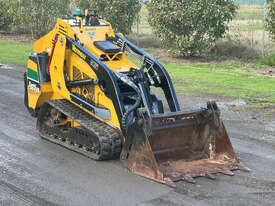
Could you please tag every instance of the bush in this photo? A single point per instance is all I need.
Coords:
(270, 25)
(36, 17)
(42, 16)
(120, 13)
(5, 18)
(83, 4)
(188, 27)
(268, 60)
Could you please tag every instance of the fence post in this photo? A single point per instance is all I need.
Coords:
(264, 27)
(138, 29)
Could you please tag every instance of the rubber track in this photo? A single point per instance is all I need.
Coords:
(109, 138)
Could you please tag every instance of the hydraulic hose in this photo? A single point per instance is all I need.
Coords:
(126, 114)
(124, 78)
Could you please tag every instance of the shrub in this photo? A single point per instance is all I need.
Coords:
(83, 4)
(268, 60)
(42, 17)
(5, 18)
(120, 13)
(270, 25)
(36, 17)
(187, 27)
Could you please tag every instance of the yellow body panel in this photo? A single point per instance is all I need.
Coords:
(122, 65)
(57, 69)
(37, 99)
(32, 65)
(44, 44)
(100, 98)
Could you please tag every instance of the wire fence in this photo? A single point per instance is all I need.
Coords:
(254, 2)
(248, 26)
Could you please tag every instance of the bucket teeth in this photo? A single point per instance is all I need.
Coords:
(243, 168)
(188, 178)
(210, 176)
(169, 182)
(226, 171)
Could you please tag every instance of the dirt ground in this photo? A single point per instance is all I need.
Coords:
(16, 38)
(36, 172)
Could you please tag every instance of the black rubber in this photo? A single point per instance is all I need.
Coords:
(107, 46)
(107, 137)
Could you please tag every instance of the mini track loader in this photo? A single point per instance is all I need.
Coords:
(90, 98)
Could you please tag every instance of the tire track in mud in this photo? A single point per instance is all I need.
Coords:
(20, 196)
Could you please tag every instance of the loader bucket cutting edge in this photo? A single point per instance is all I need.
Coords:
(179, 146)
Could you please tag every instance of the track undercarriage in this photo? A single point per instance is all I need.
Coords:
(85, 134)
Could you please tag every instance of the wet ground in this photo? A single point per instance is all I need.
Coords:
(36, 172)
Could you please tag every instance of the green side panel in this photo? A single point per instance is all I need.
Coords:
(32, 74)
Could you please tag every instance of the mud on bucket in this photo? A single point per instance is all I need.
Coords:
(180, 145)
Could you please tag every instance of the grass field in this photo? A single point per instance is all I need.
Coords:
(228, 79)
(14, 52)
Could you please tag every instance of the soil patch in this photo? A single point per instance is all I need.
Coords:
(16, 38)
(270, 72)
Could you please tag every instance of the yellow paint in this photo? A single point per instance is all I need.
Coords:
(81, 23)
(77, 51)
(32, 65)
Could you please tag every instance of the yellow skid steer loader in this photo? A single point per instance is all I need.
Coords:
(88, 97)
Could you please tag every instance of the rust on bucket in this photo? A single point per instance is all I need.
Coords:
(179, 146)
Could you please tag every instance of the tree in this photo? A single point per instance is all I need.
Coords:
(5, 17)
(37, 17)
(270, 25)
(187, 27)
(120, 13)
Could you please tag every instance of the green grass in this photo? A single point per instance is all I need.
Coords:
(14, 52)
(245, 25)
(268, 60)
(228, 79)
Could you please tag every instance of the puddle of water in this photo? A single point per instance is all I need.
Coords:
(271, 127)
(235, 102)
(4, 66)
